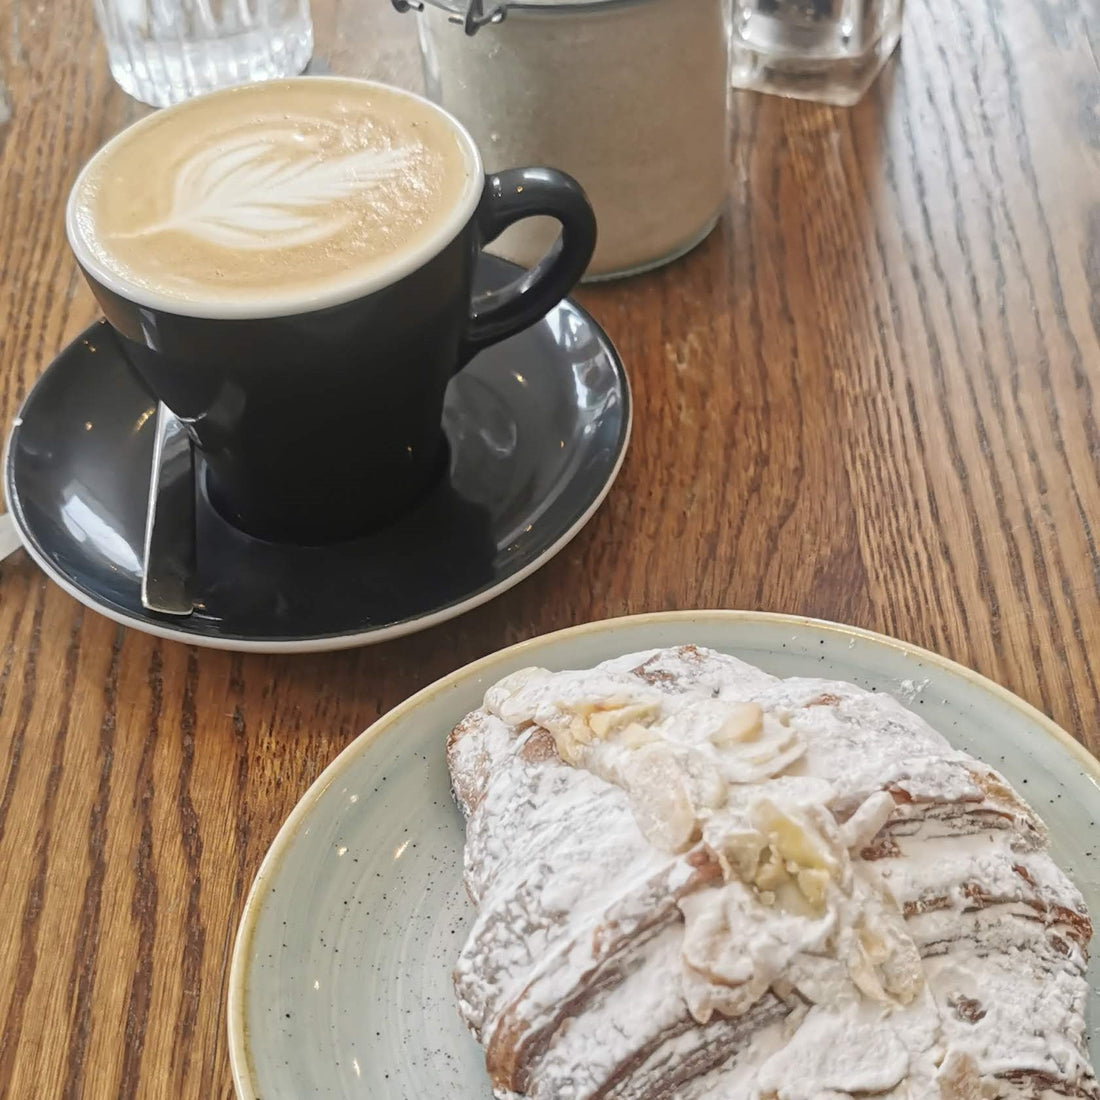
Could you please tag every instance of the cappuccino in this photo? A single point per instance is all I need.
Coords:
(285, 195)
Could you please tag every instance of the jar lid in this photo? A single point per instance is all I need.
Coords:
(475, 14)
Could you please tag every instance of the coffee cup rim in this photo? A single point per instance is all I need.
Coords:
(282, 304)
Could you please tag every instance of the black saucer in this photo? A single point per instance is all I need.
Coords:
(537, 428)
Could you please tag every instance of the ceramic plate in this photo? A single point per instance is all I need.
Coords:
(340, 985)
(537, 426)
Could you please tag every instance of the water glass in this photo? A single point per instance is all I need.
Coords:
(164, 51)
(824, 50)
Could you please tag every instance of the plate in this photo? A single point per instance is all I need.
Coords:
(340, 983)
(537, 427)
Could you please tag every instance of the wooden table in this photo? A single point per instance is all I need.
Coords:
(870, 396)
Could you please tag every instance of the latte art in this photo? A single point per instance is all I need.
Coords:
(248, 193)
(276, 189)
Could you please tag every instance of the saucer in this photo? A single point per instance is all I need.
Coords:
(537, 428)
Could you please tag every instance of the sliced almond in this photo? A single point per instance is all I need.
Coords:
(706, 786)
(793, 835)
(605, 722)
(635, 736)
(738, 848)
(868, 820)
(744, 722)
(499, 699)
(902, 970)
(814, 886)
(790, 899)
(572, 738)
(771, 872)
(865, 975)
(659, 798)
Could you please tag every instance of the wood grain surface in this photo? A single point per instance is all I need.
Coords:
(870, 396)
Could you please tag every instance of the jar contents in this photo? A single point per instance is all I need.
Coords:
(631, 99)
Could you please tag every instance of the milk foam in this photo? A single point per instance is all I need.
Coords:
(273, 191)
(247, 193)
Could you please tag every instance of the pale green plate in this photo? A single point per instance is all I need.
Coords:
(340, 985)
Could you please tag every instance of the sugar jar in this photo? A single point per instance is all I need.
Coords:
(629, 96)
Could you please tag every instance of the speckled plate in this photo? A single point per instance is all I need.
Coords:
(340, 984)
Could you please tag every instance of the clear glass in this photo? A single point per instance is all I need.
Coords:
(165, 51)
(824, 50)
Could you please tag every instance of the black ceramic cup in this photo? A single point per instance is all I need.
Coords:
(321, 420)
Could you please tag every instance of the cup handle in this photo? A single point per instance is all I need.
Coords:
(509, 197)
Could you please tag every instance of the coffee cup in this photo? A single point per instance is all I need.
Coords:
(289, 267)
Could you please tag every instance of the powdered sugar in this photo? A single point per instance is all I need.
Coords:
(870, 911)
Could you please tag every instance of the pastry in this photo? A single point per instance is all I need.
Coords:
(694, 880)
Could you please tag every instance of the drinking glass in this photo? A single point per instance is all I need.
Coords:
(164, 51)
(825, 50)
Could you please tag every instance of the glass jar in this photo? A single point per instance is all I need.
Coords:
(825, 50)
(629, 96)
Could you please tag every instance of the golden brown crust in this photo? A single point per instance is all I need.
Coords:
(467, 783)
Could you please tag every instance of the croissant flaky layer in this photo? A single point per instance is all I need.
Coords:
(696, 881)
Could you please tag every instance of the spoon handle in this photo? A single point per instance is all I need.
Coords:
(9, 536)
(167, 582)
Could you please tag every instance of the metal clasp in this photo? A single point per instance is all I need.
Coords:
(477, 16)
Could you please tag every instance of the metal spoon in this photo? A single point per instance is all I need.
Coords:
(167, 581)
